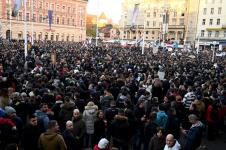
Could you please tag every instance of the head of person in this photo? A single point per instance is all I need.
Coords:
(33, 120)
(69, 125)
(76, 113)
(100, 114)
(103, 143)
(159, 132)
(44, 107)
(170, 141)
(53, 126)
(193, 118)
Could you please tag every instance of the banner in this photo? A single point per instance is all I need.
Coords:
(50, 16)
(135, 14)
(16, 7)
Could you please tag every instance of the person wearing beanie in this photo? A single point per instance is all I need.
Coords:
(102, 145)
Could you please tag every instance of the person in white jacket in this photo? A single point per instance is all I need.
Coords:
(171, 143)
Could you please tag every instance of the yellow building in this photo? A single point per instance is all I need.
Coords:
(69, 20)
(150, 20)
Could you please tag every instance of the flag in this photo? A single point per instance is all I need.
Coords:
(50, 16)
(16, 7)
(135, 14)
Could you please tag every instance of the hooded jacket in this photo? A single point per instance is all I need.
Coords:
(89, 115)
(51, 141)
(175, 147)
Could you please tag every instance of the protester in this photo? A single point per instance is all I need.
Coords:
(51, 139)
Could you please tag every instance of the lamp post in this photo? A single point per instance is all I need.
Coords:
(97, 23)
(25, 28)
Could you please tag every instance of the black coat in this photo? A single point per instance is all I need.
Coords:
(99, 130)
(30, 136)
(70, 140)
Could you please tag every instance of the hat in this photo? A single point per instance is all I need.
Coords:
(9, 110)
(90, 103)
(103, 143)
(23, 94)
(2, 112)
(31, 94)
(58, 97)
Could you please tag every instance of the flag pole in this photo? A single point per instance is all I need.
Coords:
(10, 21)
(143, 32)
(25, 29)
(97, 23)
(32, 22)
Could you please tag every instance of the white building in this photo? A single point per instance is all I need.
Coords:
(211, 23)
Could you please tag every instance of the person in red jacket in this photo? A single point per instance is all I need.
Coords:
(102, 145)
(213, 116)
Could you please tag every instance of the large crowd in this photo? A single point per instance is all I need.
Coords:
(109, 97)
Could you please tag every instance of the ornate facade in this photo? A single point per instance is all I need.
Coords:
(69, 20)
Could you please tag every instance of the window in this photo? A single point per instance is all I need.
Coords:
(209, 33)
(148, 23)
(58, 20)
(218, 21)
(148, 14)
(69, 9)
(27, 16)
(154, 23)
(211, 22)
(52, 6)
(8, 14)
(213, 1)
(212, 11)
(203, 21)
(40, 5)
(20, 16)
(34, 18)
(73, 22)
(182, 21)
(73, 10)
(204, 11)
(202, 33)
(146, 32)
(221, 1)
(63, 20)
(217, 34)
(224, 33)
(174, 21)
(40, 18)
(219, 10)
(58, 7)
(182, 14)
(154, 14)
(153, 32)
(68, 21)
(47, 5)
(175, 14)
(63, 8)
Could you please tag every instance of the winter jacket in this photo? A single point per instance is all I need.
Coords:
(173, 126)
(66, 113)
(29, 131)
(79, 130)
(43, 119)
(156, 143)
(175, 147)
(99, 130)
(162, 119)
(69, 139)
(51, 141)
(194, 136)
(105, 101)
(89, 115)
(119, 130)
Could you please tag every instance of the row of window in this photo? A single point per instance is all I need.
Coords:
(213, 1)
(211, 33)
(174, 22)
(212, 11)
(44, 19)
(155, 14)
(58, 7)
(211, 22)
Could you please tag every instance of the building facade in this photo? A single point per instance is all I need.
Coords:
(68, 20)
(174, 20)
(211, 28)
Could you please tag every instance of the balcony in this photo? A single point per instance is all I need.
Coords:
(224, 26)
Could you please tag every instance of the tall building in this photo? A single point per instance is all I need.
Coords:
(211, 23)
(150, 20)
(68, 20)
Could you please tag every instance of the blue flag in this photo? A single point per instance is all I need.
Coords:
(50, 16)
(16, 7)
